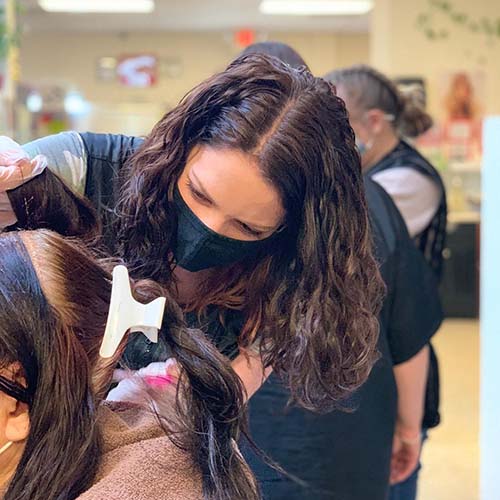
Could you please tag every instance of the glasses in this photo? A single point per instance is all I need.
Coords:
(15, 390)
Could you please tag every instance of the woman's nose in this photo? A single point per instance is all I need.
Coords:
(214, 220)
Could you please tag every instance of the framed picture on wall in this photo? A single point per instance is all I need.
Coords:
(137, 70)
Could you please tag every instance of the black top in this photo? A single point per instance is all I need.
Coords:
(106, 154)
(346, 456)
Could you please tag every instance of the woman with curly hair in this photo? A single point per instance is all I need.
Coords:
(247, 201)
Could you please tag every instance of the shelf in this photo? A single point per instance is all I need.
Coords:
(464, 167)
(465, 217)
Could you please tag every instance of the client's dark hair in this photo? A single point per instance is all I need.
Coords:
(46, 202)
(54, 300)
(61, 454)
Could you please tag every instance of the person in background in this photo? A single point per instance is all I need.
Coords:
(348, 455)
(280, 50)
(382, 117)
(58, 440)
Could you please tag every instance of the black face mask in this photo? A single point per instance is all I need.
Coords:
(198, 247)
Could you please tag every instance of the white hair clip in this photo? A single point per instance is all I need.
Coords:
(126, 314)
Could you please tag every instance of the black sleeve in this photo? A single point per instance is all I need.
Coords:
(415, 313)
(411, 312)
(90, 166)
(88, 163)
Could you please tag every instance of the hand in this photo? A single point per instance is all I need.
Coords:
(406, 448)
(16, 167)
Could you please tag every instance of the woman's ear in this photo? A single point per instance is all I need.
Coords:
(17, 413)
(376, 120)
(17, 426)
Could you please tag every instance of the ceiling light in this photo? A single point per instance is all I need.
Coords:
(75, 104)
(34, 102)
(100, 6)
(316, 7)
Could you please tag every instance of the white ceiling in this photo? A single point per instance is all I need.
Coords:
(188, 15)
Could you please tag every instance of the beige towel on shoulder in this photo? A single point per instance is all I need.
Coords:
(139, 461)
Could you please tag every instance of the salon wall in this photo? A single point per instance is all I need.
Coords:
(70, 61)
(403, 43)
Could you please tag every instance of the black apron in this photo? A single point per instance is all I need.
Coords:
(346, 455)
(430, 242)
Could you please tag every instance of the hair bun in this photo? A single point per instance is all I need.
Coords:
(413, 120)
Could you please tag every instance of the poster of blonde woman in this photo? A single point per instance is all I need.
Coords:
(462, 116)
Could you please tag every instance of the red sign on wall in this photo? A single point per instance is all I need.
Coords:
(244, 38)
(139, 70)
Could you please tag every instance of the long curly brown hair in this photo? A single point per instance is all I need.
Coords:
(311, 305)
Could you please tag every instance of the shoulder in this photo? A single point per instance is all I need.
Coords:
(114, 148)
(139, 461)
(416, 195)
(406, 180)
(411, 161)
(66, 157)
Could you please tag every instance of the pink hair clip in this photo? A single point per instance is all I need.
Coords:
(161, 375)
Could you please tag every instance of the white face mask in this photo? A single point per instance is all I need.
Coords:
(6, 446)
(363, 147)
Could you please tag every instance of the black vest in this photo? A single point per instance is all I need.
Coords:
(432, 239)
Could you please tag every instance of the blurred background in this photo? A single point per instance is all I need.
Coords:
(119, 65)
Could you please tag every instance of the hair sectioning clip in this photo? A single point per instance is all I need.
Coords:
(126, 314)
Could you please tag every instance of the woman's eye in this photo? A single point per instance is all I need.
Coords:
(251, 231)
(196, 194)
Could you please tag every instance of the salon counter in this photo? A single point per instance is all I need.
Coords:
(460, 283)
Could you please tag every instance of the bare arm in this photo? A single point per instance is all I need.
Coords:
(411, 379)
